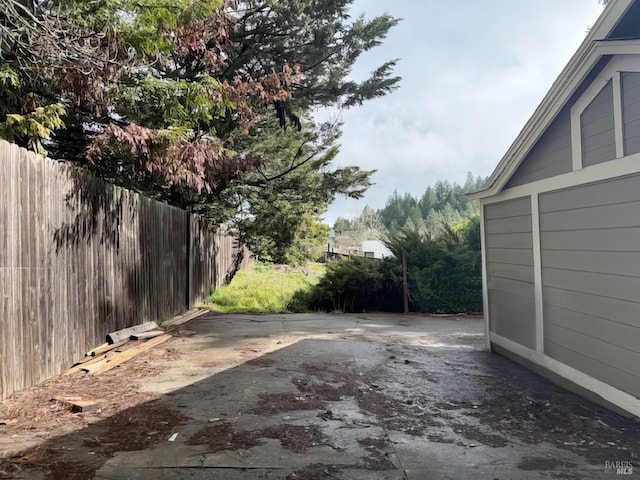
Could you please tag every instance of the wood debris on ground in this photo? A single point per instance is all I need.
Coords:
(65, 403)
(112, 358)
(127, 343)
(76, 404)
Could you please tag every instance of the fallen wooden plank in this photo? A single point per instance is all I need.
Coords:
(185, 317)
(82, 364)
(125, 333)
(86, 363)
(77, 404)
(116, 358)
(93, 366)
(147, 335)
(88, 354)
(106, 347)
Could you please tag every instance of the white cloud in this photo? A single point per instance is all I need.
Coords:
(473, 73)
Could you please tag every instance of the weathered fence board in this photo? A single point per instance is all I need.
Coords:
(80, 258)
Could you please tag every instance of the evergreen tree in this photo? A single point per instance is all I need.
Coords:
(201, 103)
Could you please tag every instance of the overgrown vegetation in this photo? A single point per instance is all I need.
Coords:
(444, 276)
(267, 288)
(356, 284)
(204, 104)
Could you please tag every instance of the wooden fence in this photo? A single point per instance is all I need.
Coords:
(80, 258)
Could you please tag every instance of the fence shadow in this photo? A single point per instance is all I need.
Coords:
(84, 258)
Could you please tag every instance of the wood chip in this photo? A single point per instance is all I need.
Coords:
(76, 404)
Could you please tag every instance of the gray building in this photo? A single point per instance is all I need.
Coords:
(561, 223)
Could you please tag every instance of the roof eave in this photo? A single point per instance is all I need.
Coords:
(581, 63)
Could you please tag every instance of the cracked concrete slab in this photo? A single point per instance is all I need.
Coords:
(395, 398)
(364, 397)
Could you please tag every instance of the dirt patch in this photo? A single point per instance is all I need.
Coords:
(477, 435)
(224, 437)
(214, 364)
(71, 471)
(182, 332)
(377, 443)
(133, 429)
(296, 438)
(595, 434)
(137, 428)
(392, 413)
(499, 401)
(59, 435)
(251, 349)
(440, 438)
(316, 471)
(330, 392)
(270, 403)
(332, 385)
(31, 415)
(377, 459)
(8, 469)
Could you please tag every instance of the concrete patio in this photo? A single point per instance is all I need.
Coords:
(368, 397)
(352, 397)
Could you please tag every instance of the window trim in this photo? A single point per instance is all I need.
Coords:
(611, 72)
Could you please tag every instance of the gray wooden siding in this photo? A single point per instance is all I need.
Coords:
(550, 156)
(509, 253)
(631, 112)
(590, 253)
(597, 130)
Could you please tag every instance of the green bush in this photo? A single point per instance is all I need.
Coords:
(444, 276)
(357, 284)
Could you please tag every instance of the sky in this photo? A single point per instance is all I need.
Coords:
(473, 72)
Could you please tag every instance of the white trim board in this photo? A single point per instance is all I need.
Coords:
(537, 273)
(485, 282)
(602, 171)
(616, 397)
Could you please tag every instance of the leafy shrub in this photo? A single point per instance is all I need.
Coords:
(357, 284)
(444, 276)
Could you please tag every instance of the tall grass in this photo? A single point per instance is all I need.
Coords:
(266, 288)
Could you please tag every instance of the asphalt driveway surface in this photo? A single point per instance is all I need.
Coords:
(356, 397)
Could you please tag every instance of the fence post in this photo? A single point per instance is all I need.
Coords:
(405, 283)
(188, 259)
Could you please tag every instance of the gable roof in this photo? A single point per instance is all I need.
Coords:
(609, 36)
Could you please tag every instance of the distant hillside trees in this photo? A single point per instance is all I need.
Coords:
(441, 206)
